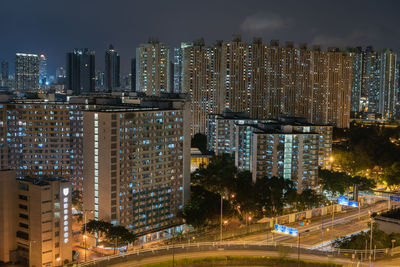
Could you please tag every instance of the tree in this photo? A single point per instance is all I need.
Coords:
(218, 176)
(309, 199)
(116, 234)
(244, 200)
(204, 207)
(272, 194)
(199, 141)
(340, 182)
(391, 174)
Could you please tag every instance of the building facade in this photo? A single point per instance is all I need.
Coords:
(43, 70)
(43, 222)
(137, 166)
(44, 139)
(153, 68)
(26, 72)
(267, 81)
(375, 82)
(81, 71)
(260, 146)
(4, 74)
(8, 216)
(112, 69)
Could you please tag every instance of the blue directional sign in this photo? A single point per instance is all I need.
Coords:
(342, 200)
(395, 198)
(286, 230)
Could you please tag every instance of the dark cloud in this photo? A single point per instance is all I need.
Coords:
(55, 27)
(262, 22)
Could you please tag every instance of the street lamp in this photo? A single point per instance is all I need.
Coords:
(370, 240)
(333, 217)
(298, 248)
(220, 230)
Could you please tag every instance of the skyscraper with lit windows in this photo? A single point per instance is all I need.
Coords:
(153, 68)
(43, 70)
(26, 72)
(137, 165)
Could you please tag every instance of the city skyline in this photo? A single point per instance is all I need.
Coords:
(49, 34)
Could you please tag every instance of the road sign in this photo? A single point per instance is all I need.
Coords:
(342, 200)
(395, 198)
(286, 230)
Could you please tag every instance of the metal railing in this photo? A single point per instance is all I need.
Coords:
(204, 246)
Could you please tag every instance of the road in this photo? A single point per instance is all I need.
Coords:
(254, 253)
(344, 224)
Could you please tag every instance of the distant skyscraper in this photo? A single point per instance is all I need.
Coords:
(99, 81)
(375, 81)
(43, 70)
(133, 74)
(60, 75)
(81, 71)
(152, 68)
(112, 69)
(26, 72)
(178, 68)
(4, 73)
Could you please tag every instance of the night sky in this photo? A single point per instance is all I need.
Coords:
(54, 27)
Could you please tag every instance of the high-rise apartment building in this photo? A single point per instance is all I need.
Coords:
(201, 81)
(35, 221)
(231, 133)
(43, 139)
(267, 81)
(133, 74)
(81, 71)
(4, 73)
(282, 153)
(374, 88)
(137, 165)
(112, 69)
(221, 134)
(43, 70)
(8, 216)
(26, 72)
(3, 137)
(178, 68)
(153, 68)
(43, 222)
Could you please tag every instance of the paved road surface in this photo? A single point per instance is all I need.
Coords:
(220, 253)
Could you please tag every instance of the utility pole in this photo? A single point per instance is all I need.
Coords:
(370, 245)
(220, 230)
(333, 217)
(298, 248)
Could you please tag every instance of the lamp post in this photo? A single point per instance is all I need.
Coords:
(220, 230)
(370, 242)
(298, 248)
(333, 217)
